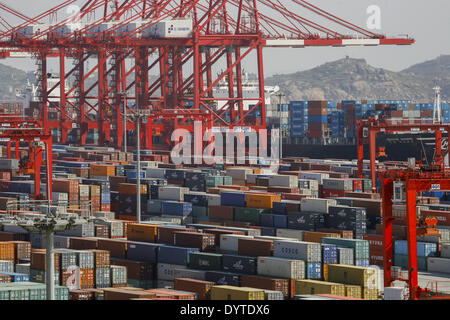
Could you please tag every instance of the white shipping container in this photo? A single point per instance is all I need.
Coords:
(316, 205)
(229, 242)
(299, 250)
(312, 185)
(274, 238)
(155, 173)
(23, 268)
(251, 178)
(283, 181)
(9, 164)
(441, 265)
(166, 271)
(97, 30)
(84, 190)
(283, 268)
(213, 200)
(131, 27)
(179, 28)
(338, 184)
(63, 196)
(314, 176)
(445, 250)
(172, 193)
(238, 173)
(394, 293)
(189, 273)
(290, 233)
(33, 30)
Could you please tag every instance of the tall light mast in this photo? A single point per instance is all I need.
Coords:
(437, 105)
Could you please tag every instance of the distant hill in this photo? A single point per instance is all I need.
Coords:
(437, 68)
(10, 80)
(348, 79)
(342, 79)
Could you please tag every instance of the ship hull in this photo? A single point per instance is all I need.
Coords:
(398, 147)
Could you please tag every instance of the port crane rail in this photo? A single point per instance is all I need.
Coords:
(369, 128)
(224, 33)
(415, 180)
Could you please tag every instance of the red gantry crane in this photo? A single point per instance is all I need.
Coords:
(411, 181)
(369, 128)
(166, 55)
(18, 129)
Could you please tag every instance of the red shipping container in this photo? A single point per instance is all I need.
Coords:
(332, 193)
(283, 190)
(5, 175)
(443, 217)
(357, 185)
(296, 196)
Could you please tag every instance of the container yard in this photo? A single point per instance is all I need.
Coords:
(114, 185)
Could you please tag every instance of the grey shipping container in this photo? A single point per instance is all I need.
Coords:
(239, 264)
(281, 267)
(300, 250)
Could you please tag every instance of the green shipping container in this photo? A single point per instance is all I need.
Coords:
(205, 261)
(144, 284)
(401, 260)
(227, 181)
(251, 215)
(214, 181)
(367, 185)
(198, 211)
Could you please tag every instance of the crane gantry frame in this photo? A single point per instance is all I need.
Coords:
(225, 33)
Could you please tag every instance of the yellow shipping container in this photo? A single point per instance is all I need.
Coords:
(236, 293)
(257, 188)
(264, 201)
(142, 232)
(103, 170)
(353, 291)
(365, 277)
(319, 287)
(370, 294)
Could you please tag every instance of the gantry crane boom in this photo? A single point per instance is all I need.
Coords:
(131, 40)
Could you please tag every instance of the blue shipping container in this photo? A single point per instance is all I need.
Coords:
(236, 199)
(175, 255)
(175, 208)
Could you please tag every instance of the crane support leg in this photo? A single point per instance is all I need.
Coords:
(386, 194)
(411, 221)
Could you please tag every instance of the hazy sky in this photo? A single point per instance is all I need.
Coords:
(427, 21)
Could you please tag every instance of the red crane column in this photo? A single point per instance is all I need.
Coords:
(372, 144)
(101, 97)
(386, 195)
(37, 163)
(62, 96)
(44, 84)
(411, 222)
(360, 150)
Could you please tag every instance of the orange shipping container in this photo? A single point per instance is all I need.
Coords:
(264, 201)
(131, 188)
(142, 232)
(102, 170)
(7, 251)
(310, 236)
